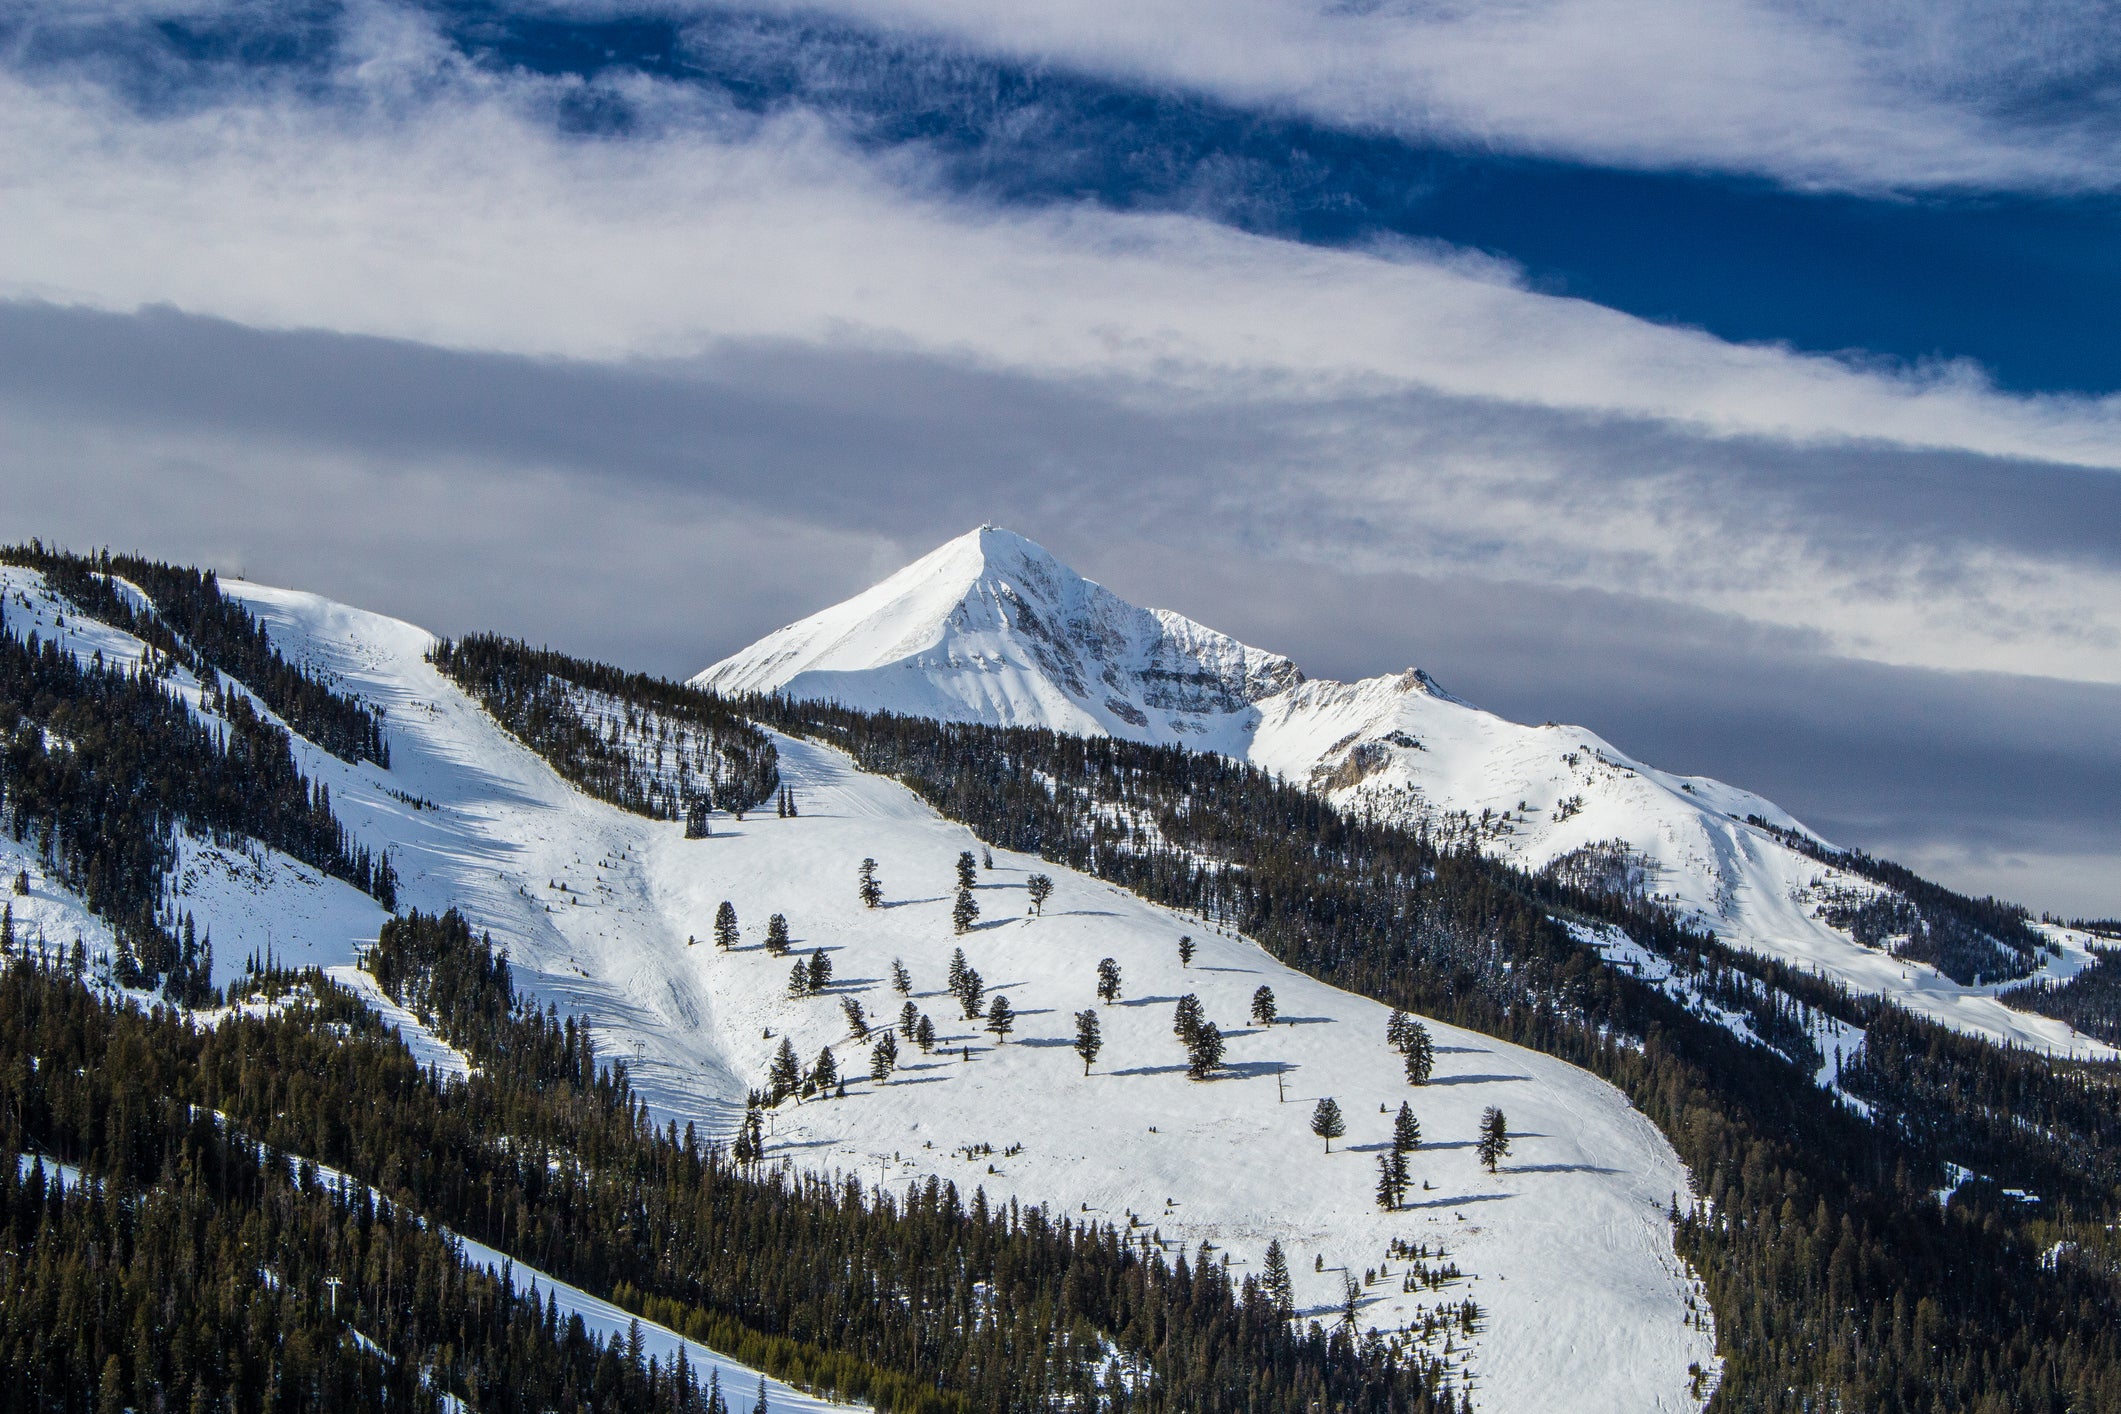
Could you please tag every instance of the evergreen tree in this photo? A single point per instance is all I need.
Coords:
(1387, 1195)
(882, 1057)
(1326, 1121)
(820, 970)
(1406, 1130)
(965, 912)
(967, 872)
(871, 892)
(1000, 1019)
(1087, 1040)
(792, 811)
(1263, 1010)
(777, 935)
(725, 930)
(901, 979)
(1107, 981)
(826, 1073)
(909, 1016)
(1040, 888)
(1185, 951)
(1396, 1029)
(1280, 1291)
(986, 858)
(924, 1035)
(1494, 1137)
(857, 1023)
(958, 967)
(1186, 1018)
(799, 979)
(970, 993)
(1350, 1301)
(1421, 1053)
(786, 1073)
(1204, 1051)
(760, 1406)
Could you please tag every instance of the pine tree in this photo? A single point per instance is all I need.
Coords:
(924, 1035)
(1087, 1040)
(970, 992)
(760, 1407)
(958, 968)
(909, 1016)
(792, 811)
(1401, 1179)
(1186, 1018)
(986, 857)
(1421, 1053)
(857, 1023)
(786, 1074)
(1494, 1137)
(1040, 888)
(777, 935)
(1396, 1029)
(1107, 981)
(967, 871)
(799, 979)
(1000, 1019)
(901, 979)
(1350, 1301)
(965, 912)
(1185, 951)
(1387, 1195)
(826, 1072)
(1204, 1051)
(1279, 1290)
(871, 892)
(820, 970)
(1326, 1121)
(725, 930)
(1406, 1130)
(882, 1057)
(1263, 1010)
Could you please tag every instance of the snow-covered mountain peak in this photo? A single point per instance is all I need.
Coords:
(991, 627)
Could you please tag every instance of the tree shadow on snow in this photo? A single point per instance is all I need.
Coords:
(1247, 1070)
(1556, 1168)
(1041, 1043)
(1150, 1070)
(1459, 1202)
(908, 902)
(1474, 1079)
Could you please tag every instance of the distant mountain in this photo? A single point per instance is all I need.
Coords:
(993, 628)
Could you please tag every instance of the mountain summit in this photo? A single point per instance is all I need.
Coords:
(992, 628)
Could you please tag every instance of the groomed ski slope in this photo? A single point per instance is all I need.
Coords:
(1567, 1250)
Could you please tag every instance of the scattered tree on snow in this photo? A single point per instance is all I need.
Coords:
(882, 1057)
(1107, 980)
(1421, 1054)
(1275, 1284)
(1040, 887)
(777, 935)
(799, 979)
(924, 1035)
(1185, 951)
(1326, 1121)
(786, 1074)
(1000, 1019)
(1263, 1010)
(1087, 1040)
(1204, 1050)
(965, 912)
(871, 892)
(909, 1016)
(901, 979)
(967, 871)
(1494, 1137)
(820, 970)
(725, 932)
(1186, 1018)
(1406, 1130)
(857, 1023)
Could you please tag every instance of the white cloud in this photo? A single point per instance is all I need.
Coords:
(1890, 97)
(1391, 381)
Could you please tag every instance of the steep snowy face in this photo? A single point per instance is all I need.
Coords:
(992, 628)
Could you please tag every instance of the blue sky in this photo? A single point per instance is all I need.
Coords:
(1736, 378)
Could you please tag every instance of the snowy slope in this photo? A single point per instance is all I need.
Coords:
(1566, 1251)
(941, 638)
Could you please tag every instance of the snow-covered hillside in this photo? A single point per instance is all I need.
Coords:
(1565, 1252)
(992, 628)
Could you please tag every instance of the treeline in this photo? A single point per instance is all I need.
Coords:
(195, 624)
(1970, 940)
(101, 765)
(1837, 1279)
(201, 1270)
(925, 1300)
(2089, 1001)
(527, 691)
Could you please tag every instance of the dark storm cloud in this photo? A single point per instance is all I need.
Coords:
(665, 514)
